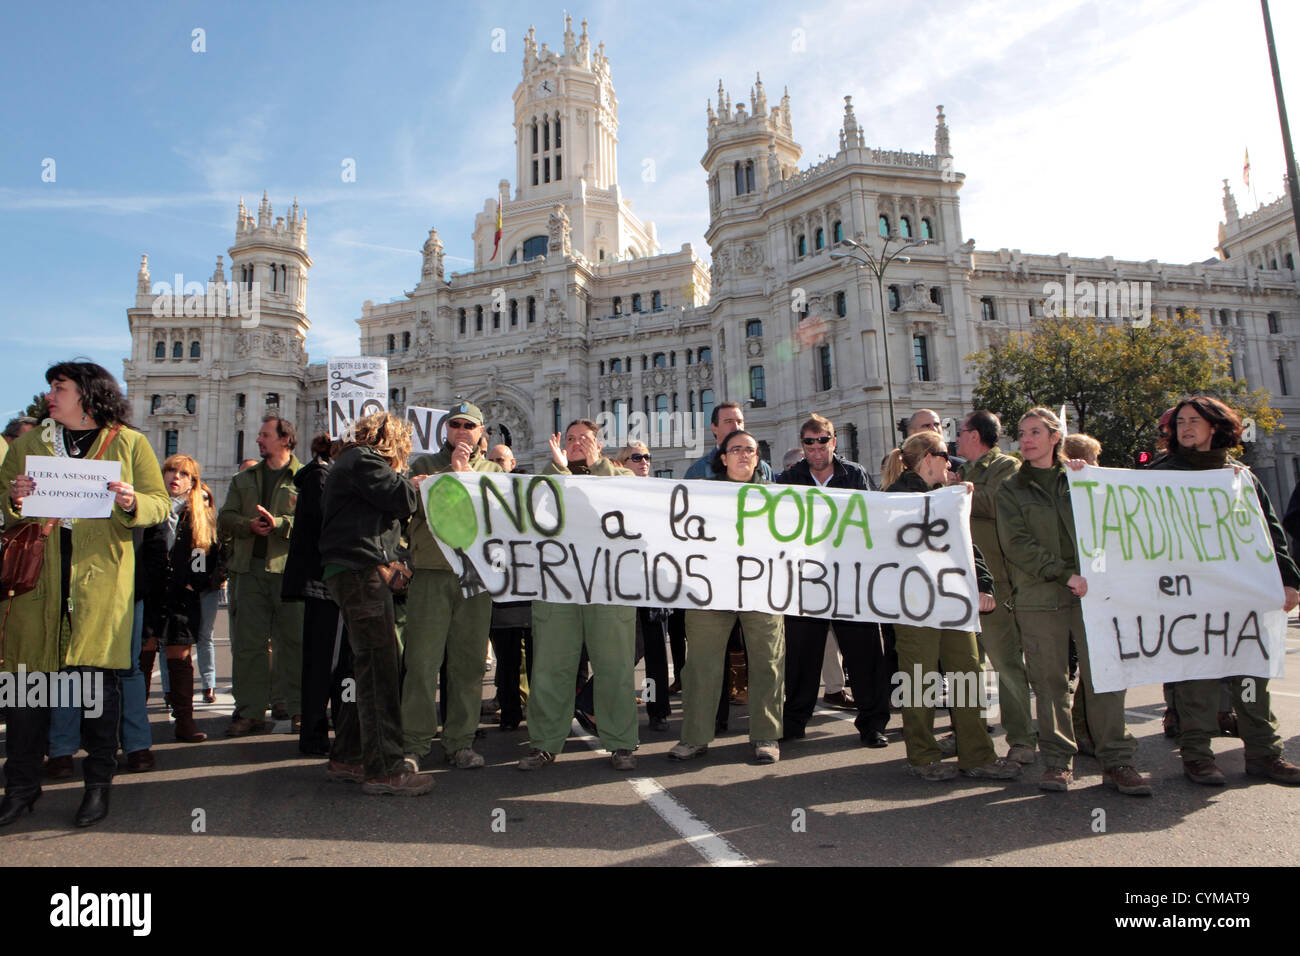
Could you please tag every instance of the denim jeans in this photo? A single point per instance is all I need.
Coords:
(367, 606)
(207, 658)
(135, 732)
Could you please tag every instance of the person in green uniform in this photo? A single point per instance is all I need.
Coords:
(258, 518)
(559, 631)
(443, 624)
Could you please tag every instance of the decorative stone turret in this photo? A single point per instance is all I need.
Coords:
(941, 147)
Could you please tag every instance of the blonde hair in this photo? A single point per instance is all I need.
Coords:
(626, 451)
(1054, 426)
(910, 455)
(387, 434)
(1082, 446)
(203, 522)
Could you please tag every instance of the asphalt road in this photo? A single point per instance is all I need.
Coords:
(829, 801)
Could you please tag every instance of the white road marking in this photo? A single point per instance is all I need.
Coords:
(698, 835)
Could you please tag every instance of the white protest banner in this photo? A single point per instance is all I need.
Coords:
(428, 429)
(785, 549)
(70, 487)
(357, 387)
(1182, 579)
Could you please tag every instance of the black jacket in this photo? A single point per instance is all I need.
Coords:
(911, 481)
(302, 567)
(845, 474)
(170, 582)
(362, 510)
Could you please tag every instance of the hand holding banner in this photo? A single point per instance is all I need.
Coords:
(70, 487)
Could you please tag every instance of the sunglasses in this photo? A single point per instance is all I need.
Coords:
(461, 424)
(499, 461)
(819, 440)
(637, 456)
(940, 454)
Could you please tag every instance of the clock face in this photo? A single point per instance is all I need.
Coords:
(546, 88)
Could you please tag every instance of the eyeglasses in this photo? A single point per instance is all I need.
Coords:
(744, 451)
(818, 440)
(637, 456)
(461, 424)
(940, 454)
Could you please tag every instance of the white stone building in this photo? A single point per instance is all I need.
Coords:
(579, 312)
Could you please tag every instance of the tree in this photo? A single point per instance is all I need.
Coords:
(39, 408)
(1117, 379)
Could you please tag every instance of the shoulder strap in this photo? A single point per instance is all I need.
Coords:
(108, 441)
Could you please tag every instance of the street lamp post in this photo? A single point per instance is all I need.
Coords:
(878, 263)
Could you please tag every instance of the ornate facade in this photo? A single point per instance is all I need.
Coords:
(576, 311)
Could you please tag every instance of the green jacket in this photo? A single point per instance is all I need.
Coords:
(425, 552)
(241, 507)
(987, 473)
(603, 468)
(1029, 531)
(102, 585)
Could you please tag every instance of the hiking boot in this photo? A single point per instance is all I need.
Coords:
(535, 760)
(1000, 769)
(1022, 754)
(623, 760)
(767, 751)
(401, 784)
(1127, 780)
(1056, 778)
(466, 759)
(244, 726)
(935, 772)
(1204, 771)
(1275, 768)
(685, 751)
(341, 772)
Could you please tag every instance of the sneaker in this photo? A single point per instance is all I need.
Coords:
(948, 745)
(1204, 771)
(623, 760)
(1275, 768)
(685, 751)
(1022, 754)
(1127, 780)
(401, 784)
(935, 772)
(767, 751)
(244, 726)
(535, 760)
(466, 759)
(345, 772)
(842, 700)
(1000, 769)
(1056, 778)
(1172, 728)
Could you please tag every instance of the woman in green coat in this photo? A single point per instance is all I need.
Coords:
(77, 620)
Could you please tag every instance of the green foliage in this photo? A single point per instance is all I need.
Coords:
(1116, 380)
(39, 408)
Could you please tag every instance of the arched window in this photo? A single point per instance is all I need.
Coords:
(841, 304)
(534, 246)
(557, 130)
(160, 350)
(758, 386)
(706, 356)
(636, 302)
(819, 239)
(532, 127)
(392, 343)
(406, 341)
(656, 301)
(837, 232)
(1272, 323)
(514, 312)
(905, 227)
(478, 318)
(661, 403)
(615, 366)
(194, 350)
(532, 310)
(927, 230)
(801, 246)
(894, 300)
(884, 226)
(660, 360)
(155, 402)
(461, 321)
(690, 357)
(496, 318)
(618, 305)
(191, 403)
(987, 312)
(753, 328)
(275, 277)
(936, 295)
(178, 350)
(546, 132)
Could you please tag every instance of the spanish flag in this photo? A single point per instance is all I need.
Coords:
(496, 245)
(1245, 169)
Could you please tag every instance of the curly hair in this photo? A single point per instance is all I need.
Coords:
(387, 434)
(1225, 422)
(101, 396)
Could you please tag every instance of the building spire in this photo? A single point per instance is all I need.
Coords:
(142, 277)
(1229, 203)
(758, 98)
(941, 147)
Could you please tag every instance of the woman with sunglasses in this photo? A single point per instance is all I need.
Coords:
(918, 467)
(1036, 528)
(706, 637)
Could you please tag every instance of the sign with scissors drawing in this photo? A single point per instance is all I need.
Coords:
(356, 387)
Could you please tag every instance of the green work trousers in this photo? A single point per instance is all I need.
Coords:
(259, 680)
(920, 650)
(1198, 703)
(1000, 639)
(707, 633)
(441, 624)
(1045, 636)
(559, 631)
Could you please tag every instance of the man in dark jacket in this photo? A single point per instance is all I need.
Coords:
(805, 637)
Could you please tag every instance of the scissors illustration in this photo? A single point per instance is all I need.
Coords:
(340, 379)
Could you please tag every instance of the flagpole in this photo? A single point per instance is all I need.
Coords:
(1293, 181)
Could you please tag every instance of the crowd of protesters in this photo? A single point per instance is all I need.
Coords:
(349, 625)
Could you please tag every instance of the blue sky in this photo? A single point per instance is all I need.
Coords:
(1091, 128)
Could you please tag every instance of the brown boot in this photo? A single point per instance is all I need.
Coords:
(146, 668)
(180, 671)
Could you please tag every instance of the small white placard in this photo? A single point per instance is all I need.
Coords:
(70, 487)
